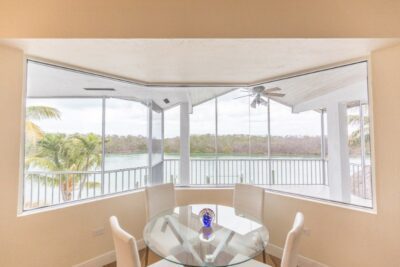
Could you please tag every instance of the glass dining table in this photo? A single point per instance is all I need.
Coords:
(183, 236)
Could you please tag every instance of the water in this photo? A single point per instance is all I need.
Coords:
(122, 161)
(289, 170)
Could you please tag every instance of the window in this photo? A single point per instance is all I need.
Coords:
(359, 150)
(202, 144)
(63, 155)
(295, 147)
(80, 143)
(233, 142)
(309, 137)
(126, 151)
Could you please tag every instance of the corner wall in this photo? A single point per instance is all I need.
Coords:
(339, 237)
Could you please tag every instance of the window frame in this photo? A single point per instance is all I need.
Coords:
(27, 58)
(323, 152)
(22, 172)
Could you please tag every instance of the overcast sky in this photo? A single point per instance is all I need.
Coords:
(127, 117)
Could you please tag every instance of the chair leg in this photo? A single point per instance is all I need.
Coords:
(264, 259)
(146, 257)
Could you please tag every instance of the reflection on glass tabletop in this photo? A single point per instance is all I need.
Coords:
(182, 236)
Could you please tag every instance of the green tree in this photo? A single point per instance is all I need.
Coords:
(59, 152)
(90, 147)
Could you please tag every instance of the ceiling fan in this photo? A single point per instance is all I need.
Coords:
(260, 93)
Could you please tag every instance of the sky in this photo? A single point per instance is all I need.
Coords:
(233, 118)
(130, 118)
(125, 117)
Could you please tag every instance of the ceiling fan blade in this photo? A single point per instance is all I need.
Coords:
(273, 89)
(263, 102)
(258, 89)
(254, 103)
(242, 96)
(275, 94)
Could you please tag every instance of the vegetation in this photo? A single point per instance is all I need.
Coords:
(32, 130)
(117, 144)
(60, 152)
(227, 144)
(82, 152)
(355, 135)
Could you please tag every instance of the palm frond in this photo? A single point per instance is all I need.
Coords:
(42, 112)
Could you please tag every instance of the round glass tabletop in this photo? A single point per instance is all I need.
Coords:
(183, 235)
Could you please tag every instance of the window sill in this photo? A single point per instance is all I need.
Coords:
(322, 201)
(76, 203)
(313, 199)
(204, 187)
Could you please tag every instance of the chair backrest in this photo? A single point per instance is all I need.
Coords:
(126, 249)
(159, 198)
(249, 199)
(291, 249)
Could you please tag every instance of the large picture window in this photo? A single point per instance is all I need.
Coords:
(307, 135)
(81, 147)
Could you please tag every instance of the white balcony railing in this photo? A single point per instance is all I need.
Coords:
(255, 171)
(49, 188)
(274, 171)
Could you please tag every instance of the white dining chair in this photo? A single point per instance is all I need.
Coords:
(249, 199)
(126, 250)
(292, 243)
(291, 249)
(159, 198)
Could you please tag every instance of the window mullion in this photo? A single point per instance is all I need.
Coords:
(216, 142)
(103, 143)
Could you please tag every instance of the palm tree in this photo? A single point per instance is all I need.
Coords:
(91, 154)
(53, 154)
(32, 130)
(38, 113)
(355, 137)
(58, 152)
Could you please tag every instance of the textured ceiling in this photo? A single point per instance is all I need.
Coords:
(214, 65)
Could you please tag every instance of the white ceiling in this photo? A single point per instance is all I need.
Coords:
(186, 61)
(352, 78)
(45, 80)
(199, 60)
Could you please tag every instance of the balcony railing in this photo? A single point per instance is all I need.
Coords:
(254, 171)
(361, 180)
(275, 171)
(49, 188)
